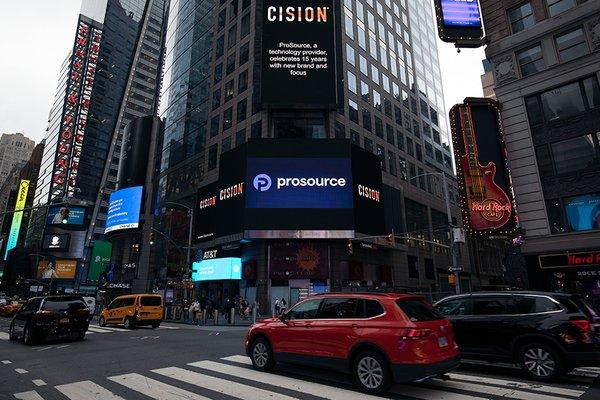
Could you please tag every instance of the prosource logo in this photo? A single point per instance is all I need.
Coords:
(263, 182)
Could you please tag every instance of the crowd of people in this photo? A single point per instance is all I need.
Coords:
(194, 312)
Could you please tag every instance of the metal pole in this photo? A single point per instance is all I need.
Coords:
(452, 244)
(189, 249)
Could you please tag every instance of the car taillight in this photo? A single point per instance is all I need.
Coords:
(585, 330)
(82, 312)
(44, 313)
(412, 333)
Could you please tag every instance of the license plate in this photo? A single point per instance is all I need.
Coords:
(442, 341)
(63, 321)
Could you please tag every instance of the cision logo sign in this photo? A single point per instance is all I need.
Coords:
(299, 183)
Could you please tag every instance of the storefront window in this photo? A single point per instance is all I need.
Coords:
(562, 102)
(577, 154)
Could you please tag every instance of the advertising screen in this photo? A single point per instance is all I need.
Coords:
(101, 253)
(124, 209)
(56, 241)
(299, 183)
(483, 175)
(15, 225)
(217, 269)
(583, 212)
(58, 269)
(65, 215)
(459, 21)
(298, 53)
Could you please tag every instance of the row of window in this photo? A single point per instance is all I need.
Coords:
(241, 113)
(521, 17)
(226, 143)
(569, 46)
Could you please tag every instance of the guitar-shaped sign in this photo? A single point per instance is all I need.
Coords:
(488, 205)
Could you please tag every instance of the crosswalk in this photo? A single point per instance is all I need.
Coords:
(234, 377)
(107, 329)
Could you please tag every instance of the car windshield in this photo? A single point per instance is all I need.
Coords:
(64, 304)
(418, 311)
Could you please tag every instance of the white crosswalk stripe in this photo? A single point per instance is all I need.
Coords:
(234, 377)
(3, 336)
(98, 330)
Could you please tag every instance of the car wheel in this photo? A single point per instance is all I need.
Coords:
(262, 355)
(11, 332)
(372, 373)
(28, 335)
(101, 321)
(155, 325)
(128, 323)
(540, 362)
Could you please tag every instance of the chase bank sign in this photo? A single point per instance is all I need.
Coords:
(299, 183)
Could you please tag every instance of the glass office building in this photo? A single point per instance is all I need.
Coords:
(390, 103)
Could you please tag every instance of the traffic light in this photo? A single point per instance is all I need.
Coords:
(151, 241)
(349, 247)
(391, 239)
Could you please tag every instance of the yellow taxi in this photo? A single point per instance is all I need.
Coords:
(133, 310)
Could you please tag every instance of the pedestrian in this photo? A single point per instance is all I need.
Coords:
(283, 305)
(227, 309)
(277, 307)
(186, 311)
(194, 308)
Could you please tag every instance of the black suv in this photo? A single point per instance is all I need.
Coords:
(50, 317)
(547, 334)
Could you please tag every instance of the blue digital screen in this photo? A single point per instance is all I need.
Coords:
(583, 212)
(124, 209)
(217, 269)
(299, 183)
(57, 215)
(462, 13)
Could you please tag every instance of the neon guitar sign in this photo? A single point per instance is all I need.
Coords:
(488, 205)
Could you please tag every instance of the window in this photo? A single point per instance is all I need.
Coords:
(363, 65)
(349, 26)
(562, 102)
(413, 267)
(222, 19)
(214, 126)
(232, 36)
(571, 45)
(230, 64)
(218, 73)
(368, 145)
(530, 304)
(400, 140)
(240, 137)
(375, 74)
(216, 100)
(350, 57)
(376, 100)
(352, 83)
(69, 304)
(402, 169)
(243, 81)
(219, 46)
(242, 109)
(355, 137)
(378, 127)
(412, 170)
(409, 147)
(244, 53)
(592, 92)
(212, 157)
(419, 152)
(338, 308)
(256, 130)
(530, 60)
(556, 7)
(418, 311)
(521, 17)
(367, 308)
(353, 111)
(245, 26)
(153, 301)
(455, 307)
(227, 118)
(381, 154)
(392, 163)
(340, 130)
(366, 119)
(577, 154)
(389, 132)
(229, 89)
(491, 305)
(364, 91)
(305, 310)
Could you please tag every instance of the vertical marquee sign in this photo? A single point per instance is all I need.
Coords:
(487, 199)
(15, 226)
(75, 112)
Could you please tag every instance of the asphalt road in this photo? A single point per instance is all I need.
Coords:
(200, 363)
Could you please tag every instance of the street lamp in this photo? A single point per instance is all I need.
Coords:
(191, 215)
(452, 244)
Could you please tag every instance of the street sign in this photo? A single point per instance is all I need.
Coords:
(454, 269)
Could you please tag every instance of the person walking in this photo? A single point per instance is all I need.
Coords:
(194, 308)
(283, 305)
(277, 307)
(186, 312)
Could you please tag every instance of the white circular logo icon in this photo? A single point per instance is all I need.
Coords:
(262, 182)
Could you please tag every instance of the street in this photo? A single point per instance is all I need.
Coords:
(186, 362)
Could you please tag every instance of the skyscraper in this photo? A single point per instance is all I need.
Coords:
(387, 90)
(546, 64)
(109, 77)
(14, 149)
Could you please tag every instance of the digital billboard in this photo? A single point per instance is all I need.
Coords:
(487, 200)
(57, 269)
(583, 212)
(217, 269)
(58, 241)
(299, 53)
(65, 215)
(459, 21)
(101, 253)
(124, 209)
(15, 226)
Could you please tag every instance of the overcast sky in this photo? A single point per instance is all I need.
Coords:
(36, 35)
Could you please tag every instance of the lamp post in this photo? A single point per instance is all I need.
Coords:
(453, 252)
(191, 215)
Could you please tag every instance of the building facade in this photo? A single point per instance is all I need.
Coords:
(546, 64)
(389, 102)
(14, 149)
(108, 78)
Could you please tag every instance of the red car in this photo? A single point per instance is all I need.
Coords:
(379, 337)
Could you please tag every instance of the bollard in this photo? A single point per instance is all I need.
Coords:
(204, 315)
(254, 315)
(232, 316)
(215, 316)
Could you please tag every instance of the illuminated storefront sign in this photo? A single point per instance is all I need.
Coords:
(15, 226)
(74, 119)
(580, 259)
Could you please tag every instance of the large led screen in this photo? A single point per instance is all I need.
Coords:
(124, 209)
(65, 215)
(298, 53)
(217, 269)
(583, 212)
(461, 13)
(459, 21)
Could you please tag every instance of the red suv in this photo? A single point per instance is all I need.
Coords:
(379, 337)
